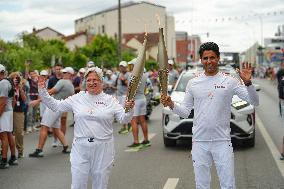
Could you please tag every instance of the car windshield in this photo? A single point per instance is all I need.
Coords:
(183, 81)
(181, 85)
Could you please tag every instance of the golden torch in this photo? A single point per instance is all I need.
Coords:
(137, 72)
(163, 63)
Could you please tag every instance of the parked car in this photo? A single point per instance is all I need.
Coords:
(175, 128)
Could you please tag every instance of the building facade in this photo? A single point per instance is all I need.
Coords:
(72, 42)
(47, 33)
(77, 40)
(136, 17)
(187, 47)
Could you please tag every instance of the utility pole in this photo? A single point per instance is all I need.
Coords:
(119, 31)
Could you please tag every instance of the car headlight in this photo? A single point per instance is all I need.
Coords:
(249, 119)
(167, 119)
(240, 104)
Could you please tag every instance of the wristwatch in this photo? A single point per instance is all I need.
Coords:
(248, 83)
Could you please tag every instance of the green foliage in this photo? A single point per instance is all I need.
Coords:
(30, 47)
(127, 54)
(54, 48)
(31, 41)
(151, 64)
(78, 59)
(102, 50)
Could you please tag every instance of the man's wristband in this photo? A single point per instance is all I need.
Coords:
(248, 83)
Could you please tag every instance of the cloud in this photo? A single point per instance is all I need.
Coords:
(196, 17)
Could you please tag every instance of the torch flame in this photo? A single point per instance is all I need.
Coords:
(145, 26)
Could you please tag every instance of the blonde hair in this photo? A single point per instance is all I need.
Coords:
(14, 74)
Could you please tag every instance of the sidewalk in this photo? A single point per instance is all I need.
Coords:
(267, 86)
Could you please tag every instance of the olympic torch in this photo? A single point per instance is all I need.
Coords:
(163, 63)
(137, 73)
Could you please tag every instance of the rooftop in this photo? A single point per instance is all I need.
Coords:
(35, 31)
(123, 5)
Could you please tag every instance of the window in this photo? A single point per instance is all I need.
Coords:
(103, 28)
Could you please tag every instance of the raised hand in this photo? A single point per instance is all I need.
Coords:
(246, 72)
(41, 82)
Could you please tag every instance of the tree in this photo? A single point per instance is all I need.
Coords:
(151, 64)
(78, 59)
(103, 51)
(127, 54)
(55, 48)
(31, 47)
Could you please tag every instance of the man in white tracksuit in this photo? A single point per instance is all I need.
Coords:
(94, 112)
(211, 95)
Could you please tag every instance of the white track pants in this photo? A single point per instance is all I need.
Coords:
(221, 152)
(91, 158)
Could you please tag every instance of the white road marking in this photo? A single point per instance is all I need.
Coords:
(171, 183)
(150, 136)
(272, 147)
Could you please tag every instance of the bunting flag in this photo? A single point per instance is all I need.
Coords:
(233, 18)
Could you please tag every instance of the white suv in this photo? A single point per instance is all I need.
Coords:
(175, 128)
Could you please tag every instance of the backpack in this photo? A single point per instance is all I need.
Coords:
(12, 90)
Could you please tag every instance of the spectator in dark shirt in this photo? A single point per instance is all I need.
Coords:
(56, 76)
(279, 76)
(77, 80)
(32, 79)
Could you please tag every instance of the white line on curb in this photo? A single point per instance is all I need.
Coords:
(150, 136)
(272, 147)
(171, 183)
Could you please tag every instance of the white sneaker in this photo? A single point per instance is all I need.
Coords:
(36, 128)
(54, 144)
(29, 130)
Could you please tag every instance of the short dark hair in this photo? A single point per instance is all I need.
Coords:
(209, 46)
(58, 64)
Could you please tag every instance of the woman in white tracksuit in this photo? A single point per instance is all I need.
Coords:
(94, 112)
(211, 95)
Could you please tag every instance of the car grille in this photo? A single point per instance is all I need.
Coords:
(184, 128)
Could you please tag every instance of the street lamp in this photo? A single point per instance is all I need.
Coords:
(250, 54)
(261, 26)
(119, 31)
(261, 39)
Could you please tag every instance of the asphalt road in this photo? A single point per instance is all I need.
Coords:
(156, 167)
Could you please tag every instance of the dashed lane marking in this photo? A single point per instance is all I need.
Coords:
(171, 183)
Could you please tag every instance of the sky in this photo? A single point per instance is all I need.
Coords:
(234, 24)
